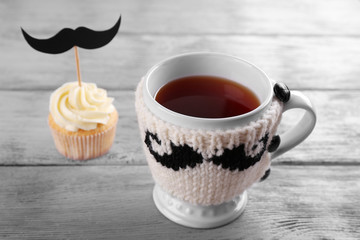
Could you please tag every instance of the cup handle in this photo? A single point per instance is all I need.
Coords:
(302, 129)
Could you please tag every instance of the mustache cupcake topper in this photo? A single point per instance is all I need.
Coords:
(68, 38)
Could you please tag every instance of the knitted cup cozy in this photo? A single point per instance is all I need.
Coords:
(206, 167)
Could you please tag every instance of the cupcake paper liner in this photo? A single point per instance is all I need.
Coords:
(84, 145)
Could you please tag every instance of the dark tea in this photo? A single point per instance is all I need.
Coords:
(207, 97)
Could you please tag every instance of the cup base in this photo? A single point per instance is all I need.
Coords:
(198, 216)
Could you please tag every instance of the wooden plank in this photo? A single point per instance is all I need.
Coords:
(28, 131)
(301, 62)
(99, 202)
(259, 17)
(26, 139)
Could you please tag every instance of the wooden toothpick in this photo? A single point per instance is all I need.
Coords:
(77, 65)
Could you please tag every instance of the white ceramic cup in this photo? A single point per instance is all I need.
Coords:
(235, 69)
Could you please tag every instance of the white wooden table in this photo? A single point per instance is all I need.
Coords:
(313, 191)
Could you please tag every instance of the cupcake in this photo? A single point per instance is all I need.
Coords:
(82, 120)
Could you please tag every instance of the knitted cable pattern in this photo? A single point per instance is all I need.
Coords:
(206, 167)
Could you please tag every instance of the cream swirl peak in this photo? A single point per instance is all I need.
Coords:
(73, 107)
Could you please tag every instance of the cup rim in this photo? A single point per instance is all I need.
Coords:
(255, 112)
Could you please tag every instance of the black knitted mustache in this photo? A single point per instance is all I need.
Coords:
(67, 38)
(183, 156)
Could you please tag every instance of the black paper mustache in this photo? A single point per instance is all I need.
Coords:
(67, 38)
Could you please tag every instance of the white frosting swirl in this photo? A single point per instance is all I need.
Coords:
(73, 107)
